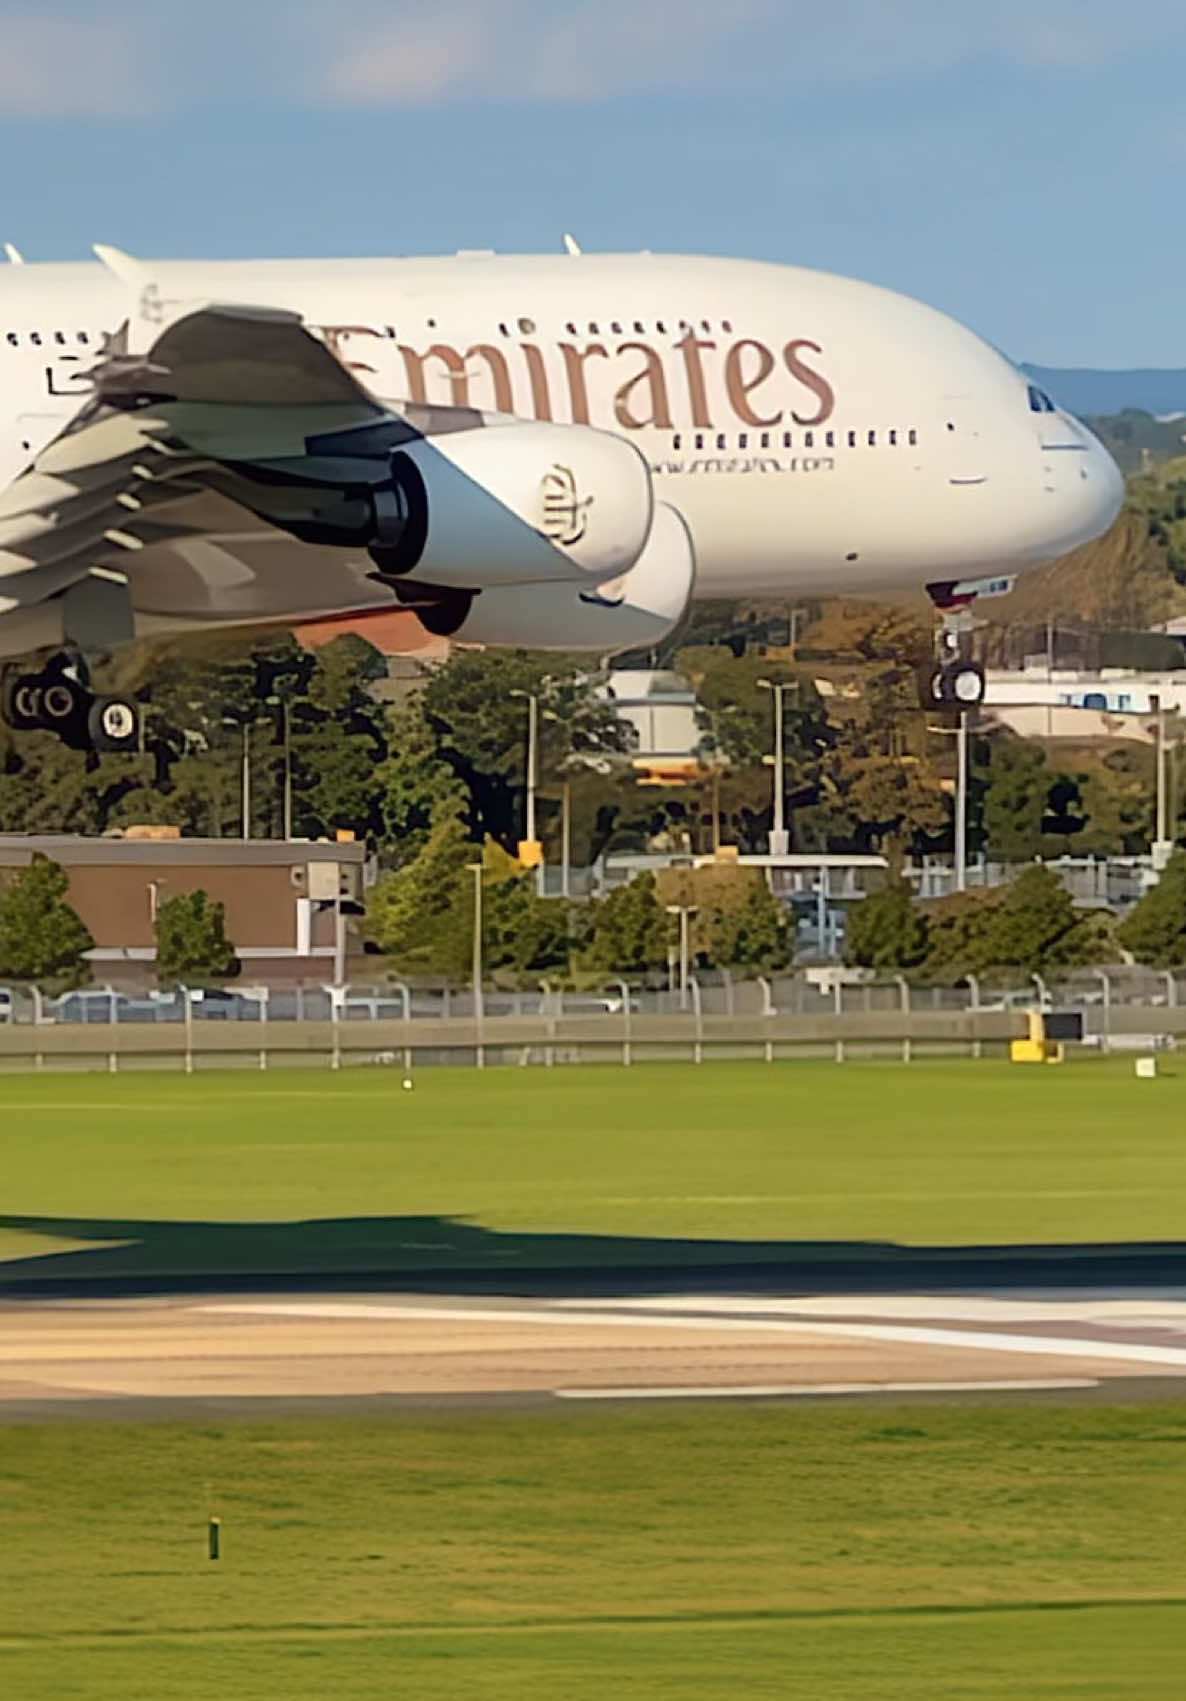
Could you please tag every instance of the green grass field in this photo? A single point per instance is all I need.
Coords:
(883, 1553)
(518, 1169)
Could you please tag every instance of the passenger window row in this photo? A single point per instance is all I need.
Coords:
(891, 439)
(618, 327)
(47, 339)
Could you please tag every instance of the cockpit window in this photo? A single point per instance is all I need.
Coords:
(1039, 401)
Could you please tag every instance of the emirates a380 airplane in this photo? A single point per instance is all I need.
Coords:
(541, 451)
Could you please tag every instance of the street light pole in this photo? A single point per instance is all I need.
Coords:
(286, 710)
(532, 702)
(566, 840)
(532, 775)
(779, 838)
(685, 912)
(479, 1002)
(961, 734)
(246, 779)
(961, 805)
(532, 762)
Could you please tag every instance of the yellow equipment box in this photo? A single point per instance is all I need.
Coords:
(1038, 1048)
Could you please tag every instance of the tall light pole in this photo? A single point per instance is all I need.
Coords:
(532, 702)
(961, 804)
(286, 718)
(779, 837)
(1164, 844)
(719, 762)
(685, 912)
(479, 1002)
(960, 734)
(246, 804)
(284, 704)
(566, 839)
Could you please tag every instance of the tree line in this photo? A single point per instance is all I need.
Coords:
(865, 771)
(1030, 924)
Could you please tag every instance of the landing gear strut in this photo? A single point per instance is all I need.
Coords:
(59, 699)
(955, 678)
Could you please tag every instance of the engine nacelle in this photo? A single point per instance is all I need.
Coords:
(634, 611)
(519, 503)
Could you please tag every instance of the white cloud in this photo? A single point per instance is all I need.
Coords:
(61, 57)
(56, 64)
(435, 50)
(416, 52)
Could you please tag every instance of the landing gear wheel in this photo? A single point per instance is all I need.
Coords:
(965, 682)
(113, 724)
(22, 702)
(59, 699)
(958, 685)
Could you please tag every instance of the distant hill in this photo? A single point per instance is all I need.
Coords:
(1084, 391)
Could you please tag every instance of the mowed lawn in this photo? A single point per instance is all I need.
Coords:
(884, 1553)
(514, 1169)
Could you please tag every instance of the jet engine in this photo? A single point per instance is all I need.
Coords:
(461, 504)
(634, 611)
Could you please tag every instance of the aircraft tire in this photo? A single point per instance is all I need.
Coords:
(113, 724)
(22, 702)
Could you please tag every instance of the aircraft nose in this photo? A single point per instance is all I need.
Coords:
(1080, 475)
(1103, 486)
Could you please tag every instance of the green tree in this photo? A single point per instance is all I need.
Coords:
(1035, 926)
(628, 930)
(738, 924)
(887, 930)
(1015, 798)
(735, 712)
(523, 935)
(960, 933)
(480, 728)
(420, 916)
(339, 742)
(1117, 800)
(42, 940)
(415, 784)
(192, 948)
(754, 935)
(1155, 932)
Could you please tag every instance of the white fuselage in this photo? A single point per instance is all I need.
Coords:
(818, 435)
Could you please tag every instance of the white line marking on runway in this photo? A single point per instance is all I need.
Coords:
(1155, 1308)
(808, 1390)
(979, 1340)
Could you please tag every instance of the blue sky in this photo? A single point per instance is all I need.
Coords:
(1018, 165)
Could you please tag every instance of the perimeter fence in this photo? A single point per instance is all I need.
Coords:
(404, 1027)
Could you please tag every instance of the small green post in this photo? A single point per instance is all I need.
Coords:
(216, 1538)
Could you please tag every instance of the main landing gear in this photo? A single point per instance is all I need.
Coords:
(58, 699)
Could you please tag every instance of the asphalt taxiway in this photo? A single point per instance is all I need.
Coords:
(168, 1355)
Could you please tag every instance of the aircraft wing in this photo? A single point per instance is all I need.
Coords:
(238, 471)
(222, 387)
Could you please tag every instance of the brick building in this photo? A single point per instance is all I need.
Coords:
(291, 907)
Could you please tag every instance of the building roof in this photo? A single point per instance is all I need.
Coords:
(17, 849)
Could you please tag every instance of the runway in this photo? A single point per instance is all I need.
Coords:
(73, 1357)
